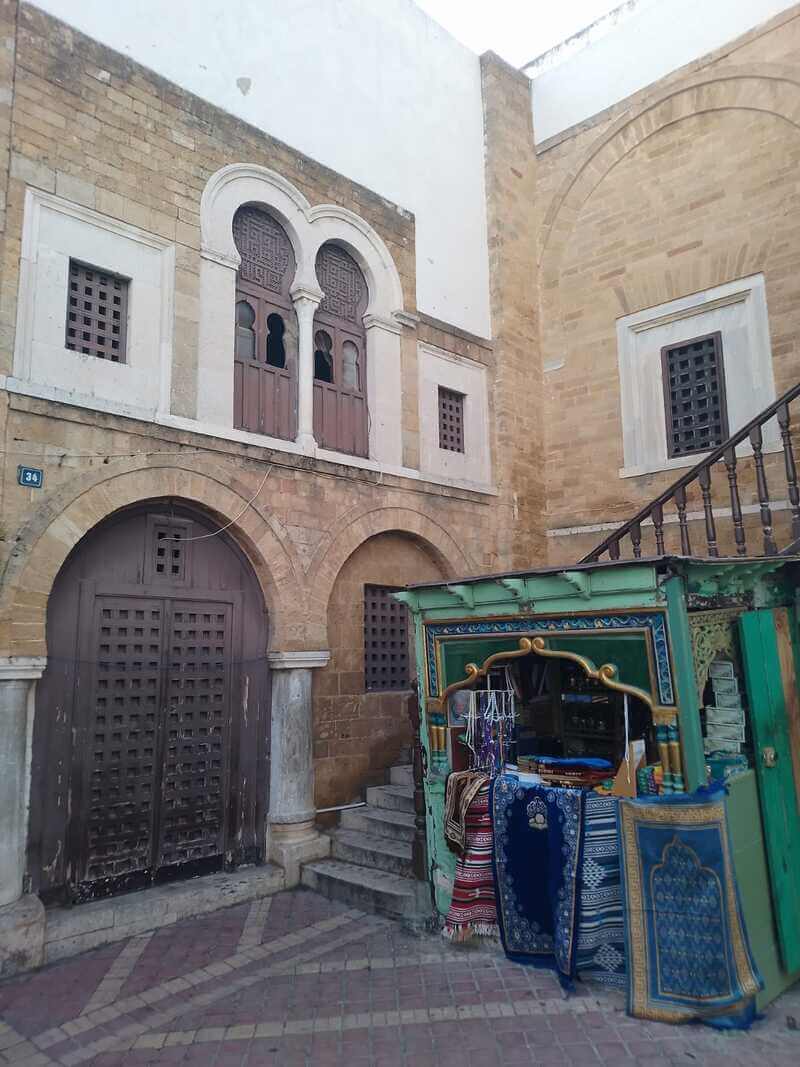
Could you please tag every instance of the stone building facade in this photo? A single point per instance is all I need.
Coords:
(173, 534)
(107, 166)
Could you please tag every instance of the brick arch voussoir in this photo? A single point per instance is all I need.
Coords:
(772, 89)
(43, 545)
(354, 531)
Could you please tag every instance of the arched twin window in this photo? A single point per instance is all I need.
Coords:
(340, 346)
(265, 348)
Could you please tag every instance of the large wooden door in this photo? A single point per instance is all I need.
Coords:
(151, 735)
(771, 674)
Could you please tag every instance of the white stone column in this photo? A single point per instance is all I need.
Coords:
(216, 340)
(384, 391)
(21, 915)
(293, 837)
(306, 301)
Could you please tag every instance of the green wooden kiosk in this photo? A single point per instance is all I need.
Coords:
(654, 629)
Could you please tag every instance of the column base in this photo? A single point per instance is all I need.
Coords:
(307, 443)
(22, 927)
(293, 844)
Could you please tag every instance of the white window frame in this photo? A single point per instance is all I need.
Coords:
(472, 467)
(738, 310)
(54, 231)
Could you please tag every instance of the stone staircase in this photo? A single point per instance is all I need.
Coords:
(370, 862)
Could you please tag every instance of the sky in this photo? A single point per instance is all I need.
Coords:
(518, 30)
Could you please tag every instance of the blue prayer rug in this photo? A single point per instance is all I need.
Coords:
(687, 948)
(600, 953)
(537, 844)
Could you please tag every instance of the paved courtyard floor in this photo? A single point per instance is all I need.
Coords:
(295, 979)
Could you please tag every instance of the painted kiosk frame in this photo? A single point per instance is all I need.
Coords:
(677, 614)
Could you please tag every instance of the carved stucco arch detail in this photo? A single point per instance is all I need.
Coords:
(772, 89)
(57, 527)
(355, 530)
(308, 228)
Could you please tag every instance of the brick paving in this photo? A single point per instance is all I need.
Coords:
(303, 981)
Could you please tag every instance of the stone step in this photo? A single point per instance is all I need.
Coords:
(363, 887)
(403, 775)
(378, 822)
(392, 797)
(369, 850)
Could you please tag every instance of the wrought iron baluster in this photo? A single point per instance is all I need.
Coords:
(613, 550)
(704, 478)
(636, 541)
(756, 440)
(680, 504)
(657, 515)
(736, 505)
(791, 469)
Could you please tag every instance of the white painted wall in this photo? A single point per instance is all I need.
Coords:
(637, 51)
(371, 88)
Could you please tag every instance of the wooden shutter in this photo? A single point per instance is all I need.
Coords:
(340, 405)
(265, 328)
(385, 639)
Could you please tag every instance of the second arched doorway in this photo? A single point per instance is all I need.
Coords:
(150, 754)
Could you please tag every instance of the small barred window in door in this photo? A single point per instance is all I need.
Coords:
(694, 395)
(97, 312)
(451, 420)
(385, 639)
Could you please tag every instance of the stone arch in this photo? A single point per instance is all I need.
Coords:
(339, 226)
(239, 184)
(773, 89)
(57, 527)
(308, 228)
(445, 550)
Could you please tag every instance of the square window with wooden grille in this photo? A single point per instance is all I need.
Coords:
(385, 639)
(694, 395)
(97, 312)
(451, 420)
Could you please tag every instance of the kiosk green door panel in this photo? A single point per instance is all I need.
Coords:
(772, 692)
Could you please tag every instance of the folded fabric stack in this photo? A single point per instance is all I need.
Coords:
(577, 773)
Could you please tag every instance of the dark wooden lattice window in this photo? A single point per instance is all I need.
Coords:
(341, 421)
(451, 420)
(97, 312)
(265, 345)
(385, 639)
(694, 395)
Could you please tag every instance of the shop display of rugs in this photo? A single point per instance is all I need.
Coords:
(537, 847)
(687, 949)
(600, 953)
(472, 908)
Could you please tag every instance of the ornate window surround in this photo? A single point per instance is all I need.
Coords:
(738, 311)
(308, 229)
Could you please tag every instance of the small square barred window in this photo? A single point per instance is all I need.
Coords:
(451, 420)
(97, 312)
(385, 639)
(694, 395)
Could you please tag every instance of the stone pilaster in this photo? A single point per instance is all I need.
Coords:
(21, 915)
(293, 837)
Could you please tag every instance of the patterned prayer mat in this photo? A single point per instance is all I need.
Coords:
(688, 955)
(472, 909)
(600, 953)
(537, 844)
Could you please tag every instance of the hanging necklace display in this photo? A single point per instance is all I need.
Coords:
(490, 727)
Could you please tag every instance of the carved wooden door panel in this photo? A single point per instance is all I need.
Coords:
(194, 785)
(154, 714)
(151, 734)
(118, 734)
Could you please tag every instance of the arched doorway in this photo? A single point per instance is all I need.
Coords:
(150, 750)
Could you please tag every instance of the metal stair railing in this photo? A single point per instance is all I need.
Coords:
(701, 474)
